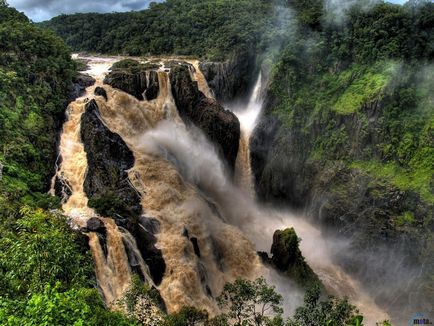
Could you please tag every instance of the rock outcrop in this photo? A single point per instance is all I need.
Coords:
(153, 87)
(106, 183)
(231, 79)
(110, 193)
(287, 258)
(79, 84)
(131, 82)
(221, 126)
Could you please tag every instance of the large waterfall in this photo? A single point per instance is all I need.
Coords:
(210, 228)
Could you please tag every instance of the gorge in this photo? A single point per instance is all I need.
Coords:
(218, 163)
(207, 229)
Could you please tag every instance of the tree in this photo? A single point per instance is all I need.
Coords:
(332, 312)
(188, 316)
(250, 303)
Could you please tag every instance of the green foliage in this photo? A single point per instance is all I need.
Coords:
(359, 90)
(109, 205)
(405, 179)
(38, 249)
(75, 307)
(362, 87)
(315, 312)
(137, 291)
(187, 316)
(250, 303)
(46, 272)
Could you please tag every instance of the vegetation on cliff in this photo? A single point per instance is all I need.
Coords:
(46, 272)
(349, 104)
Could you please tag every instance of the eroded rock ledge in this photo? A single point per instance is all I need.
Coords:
(221, 126)
(109, 191)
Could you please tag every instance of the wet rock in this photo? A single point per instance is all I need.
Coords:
(133, 83)
(106, 183)
(110, 193)
(195, 246)
(150, 224)
(153, 88)
(146, 240)
(99, 91)
(79, 84)
(230, 79)
(94, 224)
(287, 258)
(102, 239)
(263, 256)
(221, 126)
(62, 189)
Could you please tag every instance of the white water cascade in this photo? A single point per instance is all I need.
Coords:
(317, 250)
(184, 185)
(248, 116)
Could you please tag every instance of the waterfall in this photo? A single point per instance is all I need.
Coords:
(210, 229)
(317, 250)
(111, 267)
(248, 116)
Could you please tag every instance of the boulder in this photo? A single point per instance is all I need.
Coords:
(221, 126)
(94, 224)
(99, 91)
(133, 83)
(79, 84)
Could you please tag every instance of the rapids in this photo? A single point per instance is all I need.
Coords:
(183, 184)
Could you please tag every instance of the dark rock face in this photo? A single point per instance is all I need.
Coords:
(287, 258)
(110, 193)
(145, 233)
(195, 244)
(153, 88)
(221, 126)
(94, 224)
(345, 200)
(231, 79)
(79, 85)
(99, 91)
(133, 83)
(62, 189)
(108, 158)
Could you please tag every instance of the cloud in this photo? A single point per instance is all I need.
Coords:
(39, 10)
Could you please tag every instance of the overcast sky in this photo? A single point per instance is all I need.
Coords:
(39, 10)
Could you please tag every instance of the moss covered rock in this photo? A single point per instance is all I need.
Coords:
(288, 258)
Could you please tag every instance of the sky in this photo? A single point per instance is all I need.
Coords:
(39, 10)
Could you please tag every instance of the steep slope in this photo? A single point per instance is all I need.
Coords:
(347, 135)
(42, 262)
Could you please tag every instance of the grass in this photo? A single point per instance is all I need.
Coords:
(362, 86)
(417, 180)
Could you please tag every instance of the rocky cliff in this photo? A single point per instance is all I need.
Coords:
(231, 79)
(109, 191)
(221, 126)
(326, 162)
